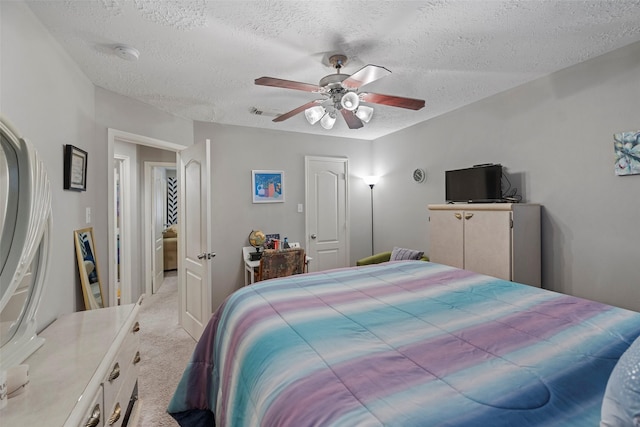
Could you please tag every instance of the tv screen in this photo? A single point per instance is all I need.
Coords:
(474, 185)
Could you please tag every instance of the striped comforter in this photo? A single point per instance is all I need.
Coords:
(402, 344)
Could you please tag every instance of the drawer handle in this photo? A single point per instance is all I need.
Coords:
(136, 327)
(458, 215)
(94, 420)
(468, 215)
(115, 373)
(136, 359)
(116, 414)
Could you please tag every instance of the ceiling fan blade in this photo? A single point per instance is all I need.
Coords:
(393, 101)
(300, 109)
(352, 120)
(287, 84)
(367, 74)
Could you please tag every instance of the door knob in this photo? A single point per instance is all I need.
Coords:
(206, 255)
(468, 216)
(313, 236)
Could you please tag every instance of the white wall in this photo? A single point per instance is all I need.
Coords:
(555, 136)
(239, 150)
(51, 103)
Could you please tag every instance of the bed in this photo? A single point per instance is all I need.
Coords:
(408, 343)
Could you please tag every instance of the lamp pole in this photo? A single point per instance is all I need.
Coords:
(371, 181)
(371, 186)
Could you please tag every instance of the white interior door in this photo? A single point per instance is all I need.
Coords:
(158, 202)
(194, 242)
(327, 234)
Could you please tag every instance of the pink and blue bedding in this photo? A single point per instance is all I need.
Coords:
(407, 343)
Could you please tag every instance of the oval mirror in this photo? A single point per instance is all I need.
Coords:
(25, 220)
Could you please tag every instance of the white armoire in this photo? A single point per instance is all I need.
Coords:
(497, 239)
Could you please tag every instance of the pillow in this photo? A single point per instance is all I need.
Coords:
(621, 403)
(401, 254)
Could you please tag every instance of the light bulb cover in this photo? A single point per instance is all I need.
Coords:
(371, 180)
(314, 114)
(364, 113)
(350, 101)
(328, 120)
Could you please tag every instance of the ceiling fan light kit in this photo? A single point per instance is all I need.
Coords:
(350, 101)
(328, 120)
(364, 113)
(314, 114)
(341, 94)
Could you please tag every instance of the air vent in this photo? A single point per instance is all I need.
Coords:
(260, 112)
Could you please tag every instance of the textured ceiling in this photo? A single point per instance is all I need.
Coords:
(199, 58)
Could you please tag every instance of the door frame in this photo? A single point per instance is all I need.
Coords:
(124, 168)
(114, 135)
(148, 216)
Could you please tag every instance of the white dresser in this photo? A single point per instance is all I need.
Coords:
(85, 374)
(497, 239)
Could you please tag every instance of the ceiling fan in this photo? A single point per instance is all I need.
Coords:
(341, 94)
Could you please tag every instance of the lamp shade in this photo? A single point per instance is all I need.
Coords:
(364, 113)
(350, 101)
(314, 114)
(328, 120)
(371, 180)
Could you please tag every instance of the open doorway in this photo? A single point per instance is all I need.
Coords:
(161, 211)
(127, 266)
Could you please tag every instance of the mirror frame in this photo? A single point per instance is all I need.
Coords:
(90, 302)
(27, 244)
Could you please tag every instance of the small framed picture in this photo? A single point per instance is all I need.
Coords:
(267, 186)
(75, 168)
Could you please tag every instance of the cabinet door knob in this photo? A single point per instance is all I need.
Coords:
(468, 215)
(458, 215)
(94, 420)
(115, 373)
(116, 414)
(137, 358)
(136, 327)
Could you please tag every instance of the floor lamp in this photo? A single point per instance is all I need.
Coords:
(371, 181)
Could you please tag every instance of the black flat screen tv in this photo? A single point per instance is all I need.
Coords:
(479, 184)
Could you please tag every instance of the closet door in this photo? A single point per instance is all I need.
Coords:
(487, 242)
(446, 237)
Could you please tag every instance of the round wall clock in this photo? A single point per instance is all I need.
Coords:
(419, 175)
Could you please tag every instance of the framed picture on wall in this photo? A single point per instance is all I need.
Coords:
(627, 150)
(75, 168)
(267, 186)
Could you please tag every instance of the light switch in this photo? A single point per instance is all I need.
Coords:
(88, 215)
(300, 208)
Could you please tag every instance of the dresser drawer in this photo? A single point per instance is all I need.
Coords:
(116, 414)
(96, 414)
(125, 365)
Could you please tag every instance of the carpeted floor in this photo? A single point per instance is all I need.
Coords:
(165, 349)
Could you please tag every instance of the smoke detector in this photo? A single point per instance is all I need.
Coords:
(127, 52)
